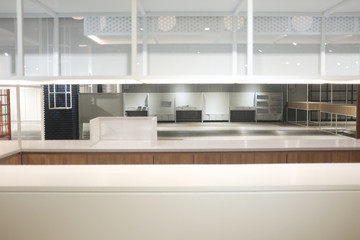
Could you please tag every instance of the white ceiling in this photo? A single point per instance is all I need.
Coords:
(65, 7)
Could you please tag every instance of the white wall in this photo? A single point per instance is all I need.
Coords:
(192, 100)
(216, 106)
(30, 104)
(242, 99)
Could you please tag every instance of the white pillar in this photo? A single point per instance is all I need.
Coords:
(234, 47)
(250, 37)
(56, 54)
(133, 37)
(20, 60)
(323, 47)
(145, 47)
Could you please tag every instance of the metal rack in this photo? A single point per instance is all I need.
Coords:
(5, 121)
(269, 106)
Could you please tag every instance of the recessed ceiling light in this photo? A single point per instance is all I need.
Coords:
(141, 29)
(207, 29)
(298, 64)
(330, 51)
(6, 54)
(294, 43)
(260, 51)
(338, 63)
(82, 45)
(287, 63)
(198, 52)
(357, 62)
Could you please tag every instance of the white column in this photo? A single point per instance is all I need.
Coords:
(323, 47)
(234, 47)
(20, 60)
(133, 37)
(56, 55)
(145, 47)
(250, 37)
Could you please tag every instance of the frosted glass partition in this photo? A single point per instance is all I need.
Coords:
(123, 129)
(342, 55)
(286, 44)
(186, 45)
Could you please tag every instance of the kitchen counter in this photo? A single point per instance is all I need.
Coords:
(314, 143)
(264, 144)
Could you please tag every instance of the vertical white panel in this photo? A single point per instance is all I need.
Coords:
(250, 37)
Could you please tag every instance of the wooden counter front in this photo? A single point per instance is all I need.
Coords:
(347, 110)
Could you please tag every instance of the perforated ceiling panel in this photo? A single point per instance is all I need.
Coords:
(118, 25)
(107, 25)
(340, 24)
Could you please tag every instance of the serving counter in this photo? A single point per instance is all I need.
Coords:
(294, 201)
(264, 150)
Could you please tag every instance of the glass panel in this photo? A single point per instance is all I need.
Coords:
(8, 38)
(286, 44)
(342, 47)
(38, 40)
(96, 45)
(181, 39)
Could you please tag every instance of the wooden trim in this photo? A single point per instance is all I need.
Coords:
(54, 158)
(115, 158)
(238, 158)
(207, 158)
(11, 160)
(185, 158)
(174, 158)
(357, 134)
(270, 157)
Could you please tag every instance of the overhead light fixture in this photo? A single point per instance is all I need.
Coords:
(294, 43)
(166, 23)
(207, 29)
(79, 18)
(357, 62)
(6, 54)
(82, 45)
(260, 51)
(96, 39)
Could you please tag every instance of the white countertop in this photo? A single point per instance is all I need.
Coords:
(188, 178)
(8, 148)
(314, 143)
(257, 144)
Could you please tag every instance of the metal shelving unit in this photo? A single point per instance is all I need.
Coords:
(269, 106)
(5, 121)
